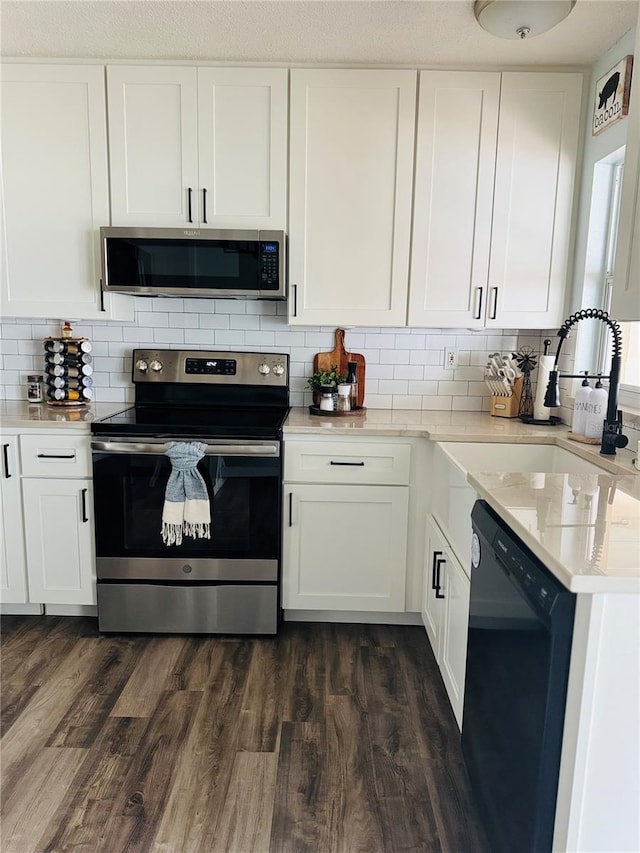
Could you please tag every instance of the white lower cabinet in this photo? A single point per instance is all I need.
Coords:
(47, 521)
(445, 613)
(345, 526)
(13, 570)
(58, 521)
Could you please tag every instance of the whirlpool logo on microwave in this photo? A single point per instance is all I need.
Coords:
(192, 233)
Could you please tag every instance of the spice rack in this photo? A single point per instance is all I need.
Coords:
(68, 368)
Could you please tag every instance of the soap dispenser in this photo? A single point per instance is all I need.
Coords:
(596, 410)
(579, 422)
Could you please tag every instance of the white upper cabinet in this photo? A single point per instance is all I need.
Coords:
(351, 170)
(455, 168)
(494, 198)
(201, 146)
(625, 300)
(54, 191)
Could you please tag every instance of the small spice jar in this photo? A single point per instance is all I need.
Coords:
(344, 398)
(327, 402)
(34, 388)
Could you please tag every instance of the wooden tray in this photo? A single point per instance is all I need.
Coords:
(582, 438)
(340, 357)
(353, 413)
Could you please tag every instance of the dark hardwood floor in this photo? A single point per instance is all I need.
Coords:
(326, 739)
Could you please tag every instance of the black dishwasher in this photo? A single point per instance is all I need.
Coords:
(518, 652)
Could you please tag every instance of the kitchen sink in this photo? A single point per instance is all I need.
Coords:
(523, 458)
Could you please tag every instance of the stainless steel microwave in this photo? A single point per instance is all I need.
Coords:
(206, 262)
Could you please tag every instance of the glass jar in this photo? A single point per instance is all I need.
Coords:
(344, 398)
(327, 402)
(34, 388)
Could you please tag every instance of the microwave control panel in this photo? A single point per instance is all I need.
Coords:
(269, 264)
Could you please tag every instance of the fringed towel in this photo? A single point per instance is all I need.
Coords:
(186, 508)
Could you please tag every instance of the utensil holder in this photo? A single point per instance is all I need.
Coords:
(507, 407)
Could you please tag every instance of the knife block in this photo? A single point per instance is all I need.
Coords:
(507, 407)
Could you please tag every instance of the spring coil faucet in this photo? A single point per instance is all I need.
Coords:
(612, 436)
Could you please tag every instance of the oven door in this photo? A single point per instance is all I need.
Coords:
(244, 483)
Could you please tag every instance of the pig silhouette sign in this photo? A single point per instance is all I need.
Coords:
(612, 96)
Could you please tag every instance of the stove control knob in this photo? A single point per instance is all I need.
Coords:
(142, 365)
(156, 366)
(278, 369)
(264, 369)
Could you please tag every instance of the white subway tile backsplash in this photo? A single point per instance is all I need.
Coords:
(404, 366)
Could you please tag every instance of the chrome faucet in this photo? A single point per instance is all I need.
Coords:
(612, 436)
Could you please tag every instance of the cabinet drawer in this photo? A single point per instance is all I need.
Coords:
(347, 462)
(55, 456)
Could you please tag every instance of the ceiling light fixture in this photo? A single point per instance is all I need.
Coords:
(520, 19)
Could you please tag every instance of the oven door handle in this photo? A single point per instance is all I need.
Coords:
(159, 448)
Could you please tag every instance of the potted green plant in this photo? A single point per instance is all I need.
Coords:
(323, 379)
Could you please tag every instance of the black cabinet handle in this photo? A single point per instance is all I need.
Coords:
(189, 194)
(85, 517)
(352, 464)
(494, 310)
(479, 310)
(5, 453)
(439, 563)
(294, 288)
(290, 509)
(436, 554)
(204, 205)
(56, 455)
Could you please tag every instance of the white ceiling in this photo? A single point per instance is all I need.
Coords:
(387, 32)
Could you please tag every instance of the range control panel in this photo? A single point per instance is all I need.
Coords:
(211, 366)
(237, 368)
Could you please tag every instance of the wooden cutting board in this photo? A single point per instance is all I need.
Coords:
(340, 357)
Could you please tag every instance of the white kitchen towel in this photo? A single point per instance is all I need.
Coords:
(186, 509)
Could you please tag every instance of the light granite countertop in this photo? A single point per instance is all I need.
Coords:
(584, 528)
(20, 415)
(591, 543)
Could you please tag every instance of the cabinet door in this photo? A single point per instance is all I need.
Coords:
(345, 547)
(60, 550)
(13, 571)
(242, 147)
(432, 609)
(455, 165)
(532, 209)
(351, 168)
(625, 300)
(54, 191)
(453, 653)
(153, 145)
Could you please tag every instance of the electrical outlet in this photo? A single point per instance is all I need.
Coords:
(450, 359)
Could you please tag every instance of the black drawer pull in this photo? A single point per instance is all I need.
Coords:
(85, 517)
(5, 453)
(352, 464)
(56, 456)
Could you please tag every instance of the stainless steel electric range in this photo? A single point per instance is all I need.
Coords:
(235, 403)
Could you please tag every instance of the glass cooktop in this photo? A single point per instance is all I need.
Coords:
(204, 421)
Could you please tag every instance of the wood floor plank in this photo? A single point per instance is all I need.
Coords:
(353, 820)
(27, 809)
(80, 821)
(268, 680)
(30, 731)
(151, 677)
(82, 723)
(139, 809)
(204, 769)
(244, 825)
(300, 807)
